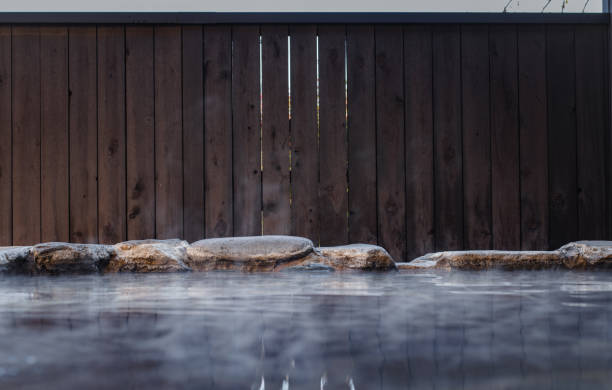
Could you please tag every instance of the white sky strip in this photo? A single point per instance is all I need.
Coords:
(300, 6)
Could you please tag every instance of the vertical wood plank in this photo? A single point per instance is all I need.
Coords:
(193, 134)
(168, 133)
(246, 130)
(83, 134)
(54, 125)
(533, 137)
(390, 140)
(333, 196)
(361, 90)
(218, 131)
(504, 138)
(476, 137)
(361, 97)
(111, 135)
(561, 135)
(6, 177)
(591, 130)
(275, 131)
(304, 133)
(419, 141)
(140, 140)
(447, 138)
(26, 135)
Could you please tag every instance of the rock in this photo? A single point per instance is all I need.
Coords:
(13, 259)
(62, 258)
(587, 254)
(149, 256)
(357, 257)
(310, 267)
(258, 253)
(575, 255)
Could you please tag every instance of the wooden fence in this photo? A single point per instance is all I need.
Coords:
(458, 135)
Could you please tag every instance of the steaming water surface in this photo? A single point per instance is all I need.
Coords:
(459, 330)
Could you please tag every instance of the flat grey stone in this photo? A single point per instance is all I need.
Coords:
(257, 253)
(14, 258)
(575, 255)
(357, 257)
(149, 256)
(310, 267)
(62, 258)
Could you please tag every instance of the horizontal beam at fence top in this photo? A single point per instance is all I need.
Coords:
(295, 17)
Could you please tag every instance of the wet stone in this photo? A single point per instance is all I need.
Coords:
(63, 258)
(575, 255)
(250, 254)
(149, 256)
(13, 259)
(357, 257)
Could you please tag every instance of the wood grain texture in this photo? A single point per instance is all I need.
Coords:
(304, 133)
(561, 92)
(275, 131)
(140, 141)
(361, 91)
(419, 141)
(476, 137)
(54, 128)
(6, 141)
(591, 130)
(26, 135)
(333, 147)
(448, 170)
(504, 138)
(193, 133)
(168, 133)
(246, 131)
(83, 135)
(390, 142)
(111, 135)
(533, 137)
(218, 131)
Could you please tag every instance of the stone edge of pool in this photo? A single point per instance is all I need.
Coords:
(278, 253)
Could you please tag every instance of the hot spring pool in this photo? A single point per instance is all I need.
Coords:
(446, 330)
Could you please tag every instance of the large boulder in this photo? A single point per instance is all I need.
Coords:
(362, 257)
(250, 254)
(62, 258)
(149, 256)
(14, 259)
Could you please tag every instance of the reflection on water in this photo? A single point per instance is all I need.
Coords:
(457, 330)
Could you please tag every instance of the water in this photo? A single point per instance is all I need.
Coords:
(459, 330)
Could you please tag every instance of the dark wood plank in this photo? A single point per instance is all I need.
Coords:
(6, 177)
(54, 123)
(504, 138)
(361, 97)
(247, 131)
(476, 137)
(83, 134)
(591, 130)
(168, 133)
(275, 131)
(447, 138)
(533, 137)
(26, 135)
(193, 134)
(111, 135)
(333, 147)
(419, 141)
(390, 152)
(139, 95)
(304, 133)
(218, 131)
(560, 69)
